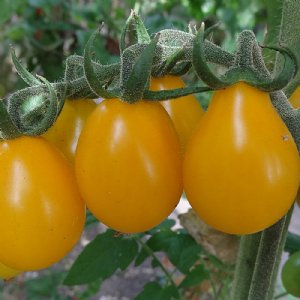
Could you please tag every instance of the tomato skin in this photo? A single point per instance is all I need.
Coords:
(295, 101)
(7, 272)
(290, 275)
(43, 213)
(185, 112)
(64, 133)
(241, 168)
(128, 165)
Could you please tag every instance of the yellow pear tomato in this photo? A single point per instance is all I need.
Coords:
(241, 169)
(42, 213)
(185, 112)
(295, 101)
(65, 131)
(128, 165)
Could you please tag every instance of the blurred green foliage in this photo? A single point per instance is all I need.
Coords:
(44, 32)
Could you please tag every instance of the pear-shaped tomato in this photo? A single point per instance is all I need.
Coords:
(185, 112)
(128, 165)
(241, 167)
(7, 272)
(65, 131)
(42, 213)
(295, 101)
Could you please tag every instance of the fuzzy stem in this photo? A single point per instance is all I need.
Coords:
(267, 261)
(269, 250)
(245, 42)
(280, 249)
(245, 266)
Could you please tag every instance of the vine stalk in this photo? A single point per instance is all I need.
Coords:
(265, 248)
(162, 267)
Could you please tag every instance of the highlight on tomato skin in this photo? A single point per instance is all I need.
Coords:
(64, 133)
(241, 169)
(43, 211)
(128, 165)
(185, 111)
(7, 273)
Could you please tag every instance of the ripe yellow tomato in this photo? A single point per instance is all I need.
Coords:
(42, 212)
(295, 101)
(128, 165)
(7, 272)
(65, 131)
(185, 112)
(241, 168)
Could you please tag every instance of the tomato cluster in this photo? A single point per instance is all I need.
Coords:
(237, 163)
(295, 101)
(44, 211)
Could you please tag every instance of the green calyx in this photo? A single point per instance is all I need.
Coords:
(33, 113)
(33, 110)
(248, 65)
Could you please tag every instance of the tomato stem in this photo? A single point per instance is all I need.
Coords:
(268, 250)
(245, 265)
(267, 261)
(7, 127)
(154, 257)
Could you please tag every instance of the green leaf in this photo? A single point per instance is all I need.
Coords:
(134, 83)
(141, 31)
(101, 258)
(292, 243)
(181, 249)
(156, 243)
(196, 276)
(153, 290)
(188, 257)
(93, 81)
(22, 71)
(220, 265)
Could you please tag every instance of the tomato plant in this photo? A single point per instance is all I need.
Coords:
(42, 211)
(291, 275)
(295, 101)
(128, 165)
(241, 168)
(7, 272)
(185, 112)
(295, 98)
(65, 131)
